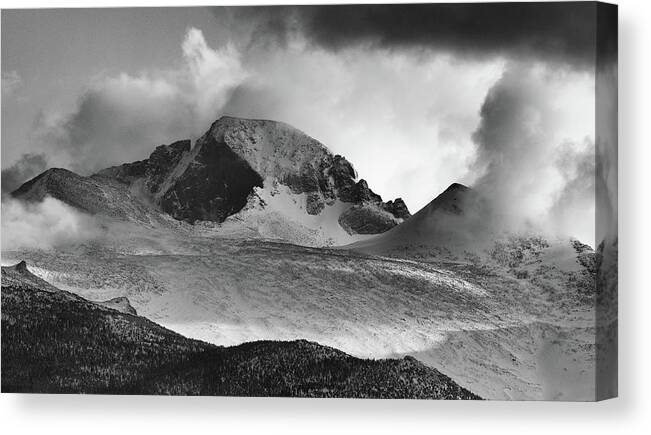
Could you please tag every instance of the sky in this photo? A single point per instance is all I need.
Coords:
(500, 97)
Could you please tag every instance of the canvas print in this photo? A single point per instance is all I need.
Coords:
(414, 201)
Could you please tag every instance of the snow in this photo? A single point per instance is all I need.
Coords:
(274, 212)
(488, 331)
(273, 271)
(273, 149)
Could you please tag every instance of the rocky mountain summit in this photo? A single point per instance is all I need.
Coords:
(215, 178)
(223, 173)
(447, 222)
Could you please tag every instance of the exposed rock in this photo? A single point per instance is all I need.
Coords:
(213, 183)
(21, 267)
(314, 204)
(366, 219)
(359, 192)
(153, 170)
(120, 304)
(398, 208)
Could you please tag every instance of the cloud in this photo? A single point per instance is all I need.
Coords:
(403, 120)
(574, 207)
(606, 149)
(123, 117)
(11, 82)
(535, 151)
(44, 225)
(376, 107)
(558, 32)
(28, 166)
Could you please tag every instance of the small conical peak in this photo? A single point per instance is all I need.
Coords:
(456, 187)
(46, 176)
(21, 267)
(449, 200)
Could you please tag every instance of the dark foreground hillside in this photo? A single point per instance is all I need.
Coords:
(56, 342)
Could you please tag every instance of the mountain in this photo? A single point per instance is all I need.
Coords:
(446, 224)
(55, 342)
(506, 315)
(94, 195)
(459, 226)
(283, 183)
(484, 320)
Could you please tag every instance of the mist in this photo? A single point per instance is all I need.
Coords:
(28, 166)
(44, 225)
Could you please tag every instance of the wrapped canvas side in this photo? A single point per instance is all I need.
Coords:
(606, 201)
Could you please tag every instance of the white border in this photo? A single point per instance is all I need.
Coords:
(627, 414)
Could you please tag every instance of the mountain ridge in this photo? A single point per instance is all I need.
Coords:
(53, 343)
(222, 174)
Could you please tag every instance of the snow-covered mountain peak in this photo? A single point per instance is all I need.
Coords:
(273, 149)
(216, 177)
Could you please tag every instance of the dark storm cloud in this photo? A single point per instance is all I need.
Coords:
(606, 39)
(562, 32)
(28, 166)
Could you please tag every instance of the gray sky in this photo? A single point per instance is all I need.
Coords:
(412, 108)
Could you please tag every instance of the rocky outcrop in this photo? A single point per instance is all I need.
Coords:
(367, 219)
(153, 170)
(120, 304)
(398, 208)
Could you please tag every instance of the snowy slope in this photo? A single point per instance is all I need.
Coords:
(478, 321)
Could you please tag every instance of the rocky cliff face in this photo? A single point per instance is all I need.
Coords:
(217, 177)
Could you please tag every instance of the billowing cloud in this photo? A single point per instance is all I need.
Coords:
(28, 166)
(574, 207)
(403, 115)
(403, 120)
(377, 107)
(535, 150)
(606, 150)
(123, 117)
(44, 225)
